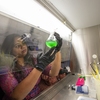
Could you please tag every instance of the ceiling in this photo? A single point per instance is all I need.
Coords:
(79, 13)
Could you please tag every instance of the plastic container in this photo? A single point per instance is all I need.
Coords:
(80, 82)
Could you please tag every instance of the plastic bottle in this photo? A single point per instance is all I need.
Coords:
(51, 41)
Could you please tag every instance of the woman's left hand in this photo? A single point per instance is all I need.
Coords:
(59, 41)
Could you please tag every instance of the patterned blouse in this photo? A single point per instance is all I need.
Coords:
(10, 80)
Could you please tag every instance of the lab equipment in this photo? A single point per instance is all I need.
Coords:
(26, 39)
(25, 35)
(95, 68)
(82, 89)
(51, 41)
(80, 81)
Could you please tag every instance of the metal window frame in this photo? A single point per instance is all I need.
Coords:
(51, 8)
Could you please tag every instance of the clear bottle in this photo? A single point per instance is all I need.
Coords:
(95, 59)
(96, 63)
(51, 41)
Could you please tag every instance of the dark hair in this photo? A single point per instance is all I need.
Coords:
(8, 43)
(7, 47)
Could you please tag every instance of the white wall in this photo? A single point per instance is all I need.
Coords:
(85, 43)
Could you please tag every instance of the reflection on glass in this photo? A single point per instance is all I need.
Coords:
(17, 63)
(6, 62)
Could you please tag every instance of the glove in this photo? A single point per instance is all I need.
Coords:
(62, 71)
(44, 60)
(29, 43)
(59, 40)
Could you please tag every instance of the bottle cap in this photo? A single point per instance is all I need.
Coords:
(94, 56)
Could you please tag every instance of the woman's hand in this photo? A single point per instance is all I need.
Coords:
(44, 60)
(59, 41)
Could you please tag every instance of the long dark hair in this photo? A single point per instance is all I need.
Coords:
(8, 43)
(7, 47)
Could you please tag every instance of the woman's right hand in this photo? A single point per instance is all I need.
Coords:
(44, 60)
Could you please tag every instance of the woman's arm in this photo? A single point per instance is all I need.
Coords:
(22, 90)
(56, 65)
(24, 87)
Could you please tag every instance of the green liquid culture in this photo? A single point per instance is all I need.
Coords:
(51, 44)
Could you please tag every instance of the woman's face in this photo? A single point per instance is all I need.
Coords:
(19, 49)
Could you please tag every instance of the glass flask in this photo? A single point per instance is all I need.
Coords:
(51, 41)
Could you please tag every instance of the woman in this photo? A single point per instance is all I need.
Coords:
(23, 81)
